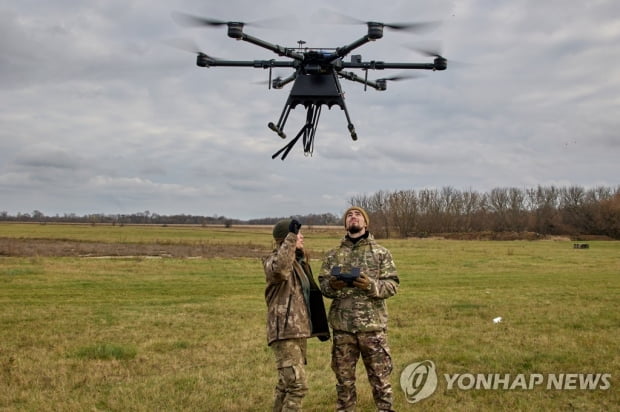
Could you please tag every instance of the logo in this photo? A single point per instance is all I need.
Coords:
(419, 381)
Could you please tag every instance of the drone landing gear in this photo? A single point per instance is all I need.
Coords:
(308, 130)
(312, 91)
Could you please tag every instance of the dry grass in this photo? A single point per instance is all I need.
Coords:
(140, 334)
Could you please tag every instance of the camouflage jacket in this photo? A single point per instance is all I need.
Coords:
(354, 310)
(295, 306)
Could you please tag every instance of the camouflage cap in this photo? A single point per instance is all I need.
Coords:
(362, 211)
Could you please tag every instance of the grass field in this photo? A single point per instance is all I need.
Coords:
(149, 333)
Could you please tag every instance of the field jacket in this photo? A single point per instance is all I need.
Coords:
(295, 306)
(352, 309)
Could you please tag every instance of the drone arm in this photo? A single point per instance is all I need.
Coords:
(378, 65)
(375, 32)
(280, 83)
(343, 51)
(354, 77)
(259, 64)
(279, 50)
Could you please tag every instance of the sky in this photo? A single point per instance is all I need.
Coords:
(100, 114)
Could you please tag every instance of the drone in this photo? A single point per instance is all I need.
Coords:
(316, 73)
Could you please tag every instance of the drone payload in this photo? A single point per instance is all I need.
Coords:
(316, 73)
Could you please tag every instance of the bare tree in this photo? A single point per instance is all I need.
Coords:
(544, 201)
(403, 208)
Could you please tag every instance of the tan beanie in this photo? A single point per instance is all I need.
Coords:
(362, 211)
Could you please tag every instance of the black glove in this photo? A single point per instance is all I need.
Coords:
(294, 226)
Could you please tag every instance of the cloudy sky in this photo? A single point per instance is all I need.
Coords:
(98, 114)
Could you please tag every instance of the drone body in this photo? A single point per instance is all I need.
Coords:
(316, 74)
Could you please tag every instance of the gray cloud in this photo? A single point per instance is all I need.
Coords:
(100, 115)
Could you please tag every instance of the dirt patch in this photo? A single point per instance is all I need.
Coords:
(49, 248)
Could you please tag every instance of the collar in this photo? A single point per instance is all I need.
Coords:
(355, 240)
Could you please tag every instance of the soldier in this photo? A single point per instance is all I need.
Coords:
(358, 312)
(295, 312)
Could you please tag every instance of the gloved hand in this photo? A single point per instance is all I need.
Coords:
(362, 282)
(294, 226)
(336, 283)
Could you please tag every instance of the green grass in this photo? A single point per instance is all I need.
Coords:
(140, 334)
(106, 351)
(136, 233)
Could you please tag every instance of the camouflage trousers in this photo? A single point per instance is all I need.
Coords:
(375, 353)
(292, 385)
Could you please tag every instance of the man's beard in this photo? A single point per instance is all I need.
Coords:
(354, 229)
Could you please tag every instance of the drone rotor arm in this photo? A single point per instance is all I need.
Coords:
(259, 64)
(358, 79)
(279, 50)
(344, 50)
(379, 65)
(279, 83)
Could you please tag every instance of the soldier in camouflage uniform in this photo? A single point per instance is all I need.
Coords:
(295, 312)
(358, 313)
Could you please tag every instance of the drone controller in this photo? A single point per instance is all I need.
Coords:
(348, 278)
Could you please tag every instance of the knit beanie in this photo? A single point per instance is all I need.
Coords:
(280, 230)
(362, 211)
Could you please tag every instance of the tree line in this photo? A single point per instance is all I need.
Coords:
(148, 217)
(540, 211)
(544, 210)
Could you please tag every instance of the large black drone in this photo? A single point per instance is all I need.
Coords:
(317, 73)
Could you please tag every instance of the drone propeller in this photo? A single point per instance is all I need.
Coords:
(202, 59)
(183, 44)
(335, 17)
(433, 50)
(271, 81)
(419, 27)
(427, 48)
(428, 52)
(382, 83)
(400, 77)
(187, 45)
(191, 20)
(263, 82)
